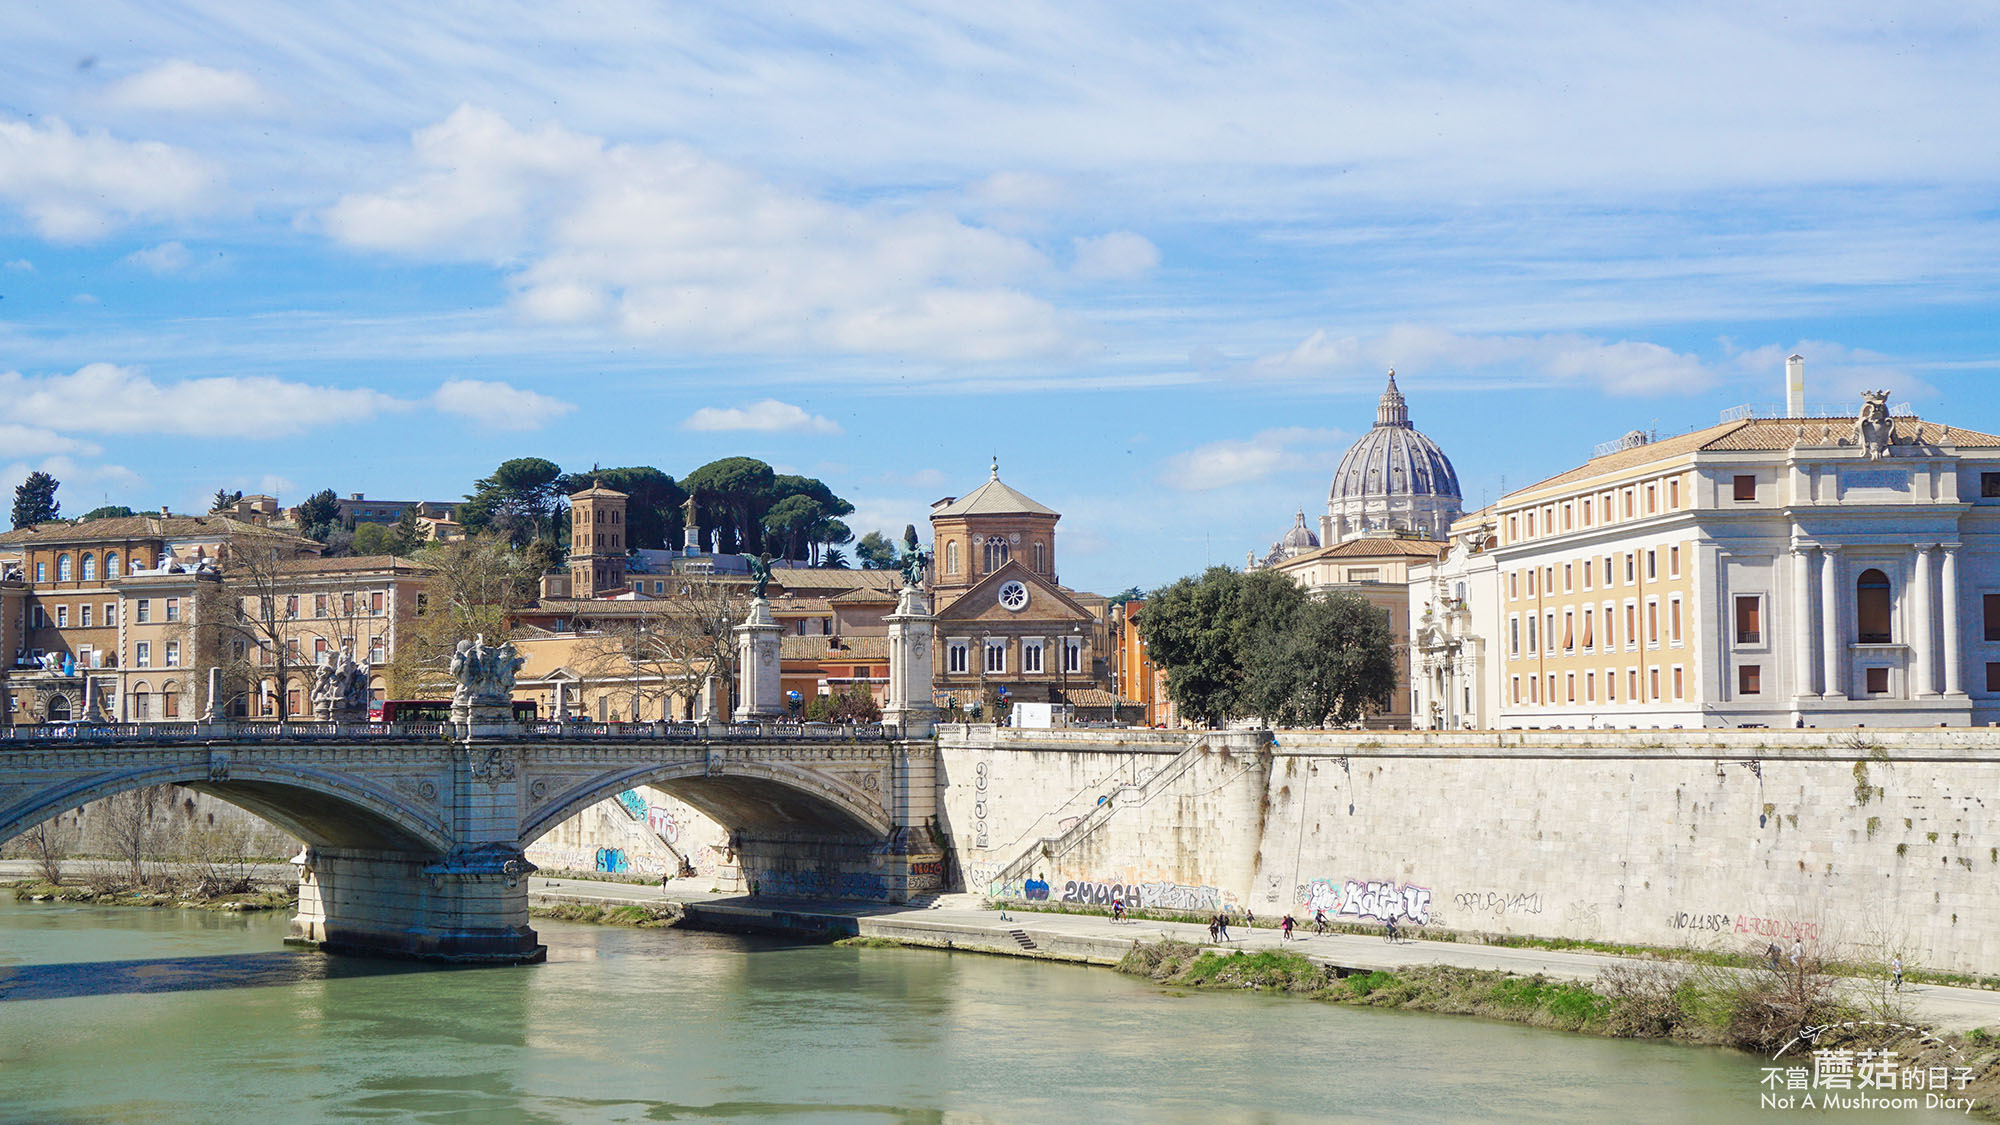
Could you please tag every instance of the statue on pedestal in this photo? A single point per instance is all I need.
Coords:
(760, 574)
(485, 678)
(340, 688)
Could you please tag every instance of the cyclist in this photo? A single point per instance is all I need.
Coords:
(1319, 921)
(1117, 910)
(1389, 931)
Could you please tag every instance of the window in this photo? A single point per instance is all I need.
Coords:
(1041, 558)
(62, 568)
(1674, 494)
(1514, 637)
(1590, 687)
(1652, 565)
(1628, 503)
(142, 703)
(291, 606)
(1534, 689)
(1589, 633)
(62, 617)
(1569, 631)
(111, 613)
(1872, 607)
(955, 658)
(375, 601)
(1653, 623)
(1674, 621)
(1989, 486)
(1749, 619)
(1749, 679)
(1586, 513)
(1631, 625)
(1607, 572)
(1993, 677)
(1992, 604)
(37, 619)
(424, 602)
(1746, 486)
(110, 564)
(1531, 583)
(319, 605)
(1569, 687)
(41, 572)
(1631, 568)
(1569, 577)
(1652, 499)
(1072, 655)
(996, 553)
(1673, 562)
(996, 656)
(173, 654)
(142, 654)
(347, 605)
(1514, 588)
(1031, 655)
(1532, 646)
(173, 609)
(1679, 688)
(1877, 680)
(1531, 525)
(377, 650)
(83, 616)
(1514, 533)
(1569, 517)
(237, 648)
(1632, 685)
(170, 701)
(1549, 629)
(89, 568)
(951, 557)
(1515, 685)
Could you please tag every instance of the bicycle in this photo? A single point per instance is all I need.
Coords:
(1389, 932)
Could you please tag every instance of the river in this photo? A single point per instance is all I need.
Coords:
(149, 1015)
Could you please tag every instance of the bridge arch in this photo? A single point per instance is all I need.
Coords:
(761, 796)
(319, 807)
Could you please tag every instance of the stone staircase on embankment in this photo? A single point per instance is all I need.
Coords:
(1050, 848)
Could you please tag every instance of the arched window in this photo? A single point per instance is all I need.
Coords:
(1041, 557)
(170, 700)
(141, 698)
(89, 568)
(58, 709)
(110, 564)
(996, 553)
(62, 568)
(951, 557)
(1871, 607)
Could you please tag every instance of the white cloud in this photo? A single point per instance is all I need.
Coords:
(105, 398)
(1220, 464)
(85, 299)
(76, 187)
(1118, 255)
(768, 416)
(179, 86)
(29, 441)
(499, 406)
(166, 258)
(661, 241)
(1836, 374)
(21, 265)
(1617, 366)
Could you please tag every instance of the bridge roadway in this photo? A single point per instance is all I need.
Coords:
(415, 833)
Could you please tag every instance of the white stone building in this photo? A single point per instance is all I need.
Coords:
(1761, 572)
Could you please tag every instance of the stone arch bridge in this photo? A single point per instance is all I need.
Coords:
(414, 839)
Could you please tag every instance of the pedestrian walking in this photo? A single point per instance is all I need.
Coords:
(1771, 954)
(1319, 921)
(1214, 927)
(1249, 919)
(1896, 967)
(1222, 920)
(1798, 953)
(1285, 926)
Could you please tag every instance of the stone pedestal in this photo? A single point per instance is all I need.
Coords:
(481, 718)
(757, 647)
(910, 706)
(470, 907)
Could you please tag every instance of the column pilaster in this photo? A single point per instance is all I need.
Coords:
(1953, 641)
(1801, 623)
(1924, 637)
(1832, 686)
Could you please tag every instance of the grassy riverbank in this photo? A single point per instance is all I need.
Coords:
(645, 917)
(1757, 1012)
(236, 899)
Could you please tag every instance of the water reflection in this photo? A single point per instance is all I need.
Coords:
(188, 974)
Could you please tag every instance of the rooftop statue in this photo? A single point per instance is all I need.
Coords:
(1873, 428)
(484, 674)
(760, 573)
(916, 564)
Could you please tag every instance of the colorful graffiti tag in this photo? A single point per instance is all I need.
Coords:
(1354, 898)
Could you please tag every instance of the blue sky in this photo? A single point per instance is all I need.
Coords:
(1156, 262)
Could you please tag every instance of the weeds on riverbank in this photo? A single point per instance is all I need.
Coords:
(658, 916)
(198, 895)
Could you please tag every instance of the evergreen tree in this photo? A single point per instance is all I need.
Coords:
(318, 514)
(35, 500)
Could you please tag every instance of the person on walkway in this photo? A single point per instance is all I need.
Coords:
(1285, 926)
(1319, 921)
(1222, 921)
(1798, 953)
(1389, 929)
(1772, 955)
(1896, 967)
(1214, 927)
(1249, 919)
(1117, 910)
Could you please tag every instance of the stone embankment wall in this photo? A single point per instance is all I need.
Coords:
(1860, 843)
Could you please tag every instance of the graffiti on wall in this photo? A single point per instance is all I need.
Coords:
(663, 823)
(926, 875)
(1498, 903)
(1777, 928)
(1149, 896)
(979, 806)
(1376, 899)
(611, 861)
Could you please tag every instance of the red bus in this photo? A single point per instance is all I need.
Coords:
(432, 711)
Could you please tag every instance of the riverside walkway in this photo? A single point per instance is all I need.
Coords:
(962, 922)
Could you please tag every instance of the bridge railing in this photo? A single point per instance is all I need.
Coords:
(265, 730)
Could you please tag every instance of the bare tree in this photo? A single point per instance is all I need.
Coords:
(130, 828)
(48, 844)
(273, 608)
(670, 645)
(476, 585)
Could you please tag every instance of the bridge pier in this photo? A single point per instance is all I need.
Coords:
(469, 907)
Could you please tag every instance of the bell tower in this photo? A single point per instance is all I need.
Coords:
(597, 542)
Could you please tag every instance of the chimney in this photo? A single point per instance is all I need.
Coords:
(1795, 387)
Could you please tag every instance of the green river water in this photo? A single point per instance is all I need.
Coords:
(166, 1015)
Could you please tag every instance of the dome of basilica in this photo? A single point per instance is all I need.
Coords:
(1392, 479)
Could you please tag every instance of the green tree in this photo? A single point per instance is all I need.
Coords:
(224, 499)
(319, 514)
(1333, 663)
(1188, 631)
(35, 500)
(373, 539)
(876, 552)
(791, 524)
(732, 496)
(407, 537)
(523, 500)
(834, 559)
(109, 511)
